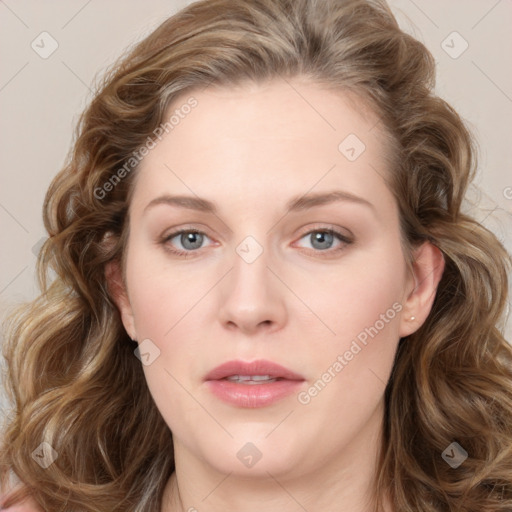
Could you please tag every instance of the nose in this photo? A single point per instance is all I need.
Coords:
(252, 297)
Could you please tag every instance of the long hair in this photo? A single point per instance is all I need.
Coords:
(72, 376)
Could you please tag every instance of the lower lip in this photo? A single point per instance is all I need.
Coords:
(253, 395)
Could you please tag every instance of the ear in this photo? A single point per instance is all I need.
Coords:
(119, 294)
(427, 270)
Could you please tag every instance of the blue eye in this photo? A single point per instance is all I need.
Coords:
(322, 240)
(189, 239)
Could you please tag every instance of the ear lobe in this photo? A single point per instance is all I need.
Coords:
(119, 294)
(428, 267)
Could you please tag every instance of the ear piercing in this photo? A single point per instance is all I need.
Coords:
(413, 318)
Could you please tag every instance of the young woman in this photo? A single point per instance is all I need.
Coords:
(265, 295)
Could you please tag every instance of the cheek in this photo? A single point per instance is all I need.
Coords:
(163, 306)
(361, 304)
(162, 295)
(168, 304)
(363, 290)
(355, 365)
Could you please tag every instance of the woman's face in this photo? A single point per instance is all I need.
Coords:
(297, 262)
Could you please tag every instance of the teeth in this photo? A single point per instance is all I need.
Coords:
(251, 379)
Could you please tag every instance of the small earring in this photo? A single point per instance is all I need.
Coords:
(413, 318)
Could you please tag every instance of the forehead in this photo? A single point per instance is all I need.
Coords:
(265, 140)
(284, 109)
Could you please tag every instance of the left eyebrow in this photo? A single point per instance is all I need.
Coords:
(307, 201)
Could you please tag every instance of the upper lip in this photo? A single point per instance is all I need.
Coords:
(258, 367)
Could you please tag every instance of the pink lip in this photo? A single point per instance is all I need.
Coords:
(258, 367)
(252, 395)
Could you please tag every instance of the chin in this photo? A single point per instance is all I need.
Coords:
(255, 456)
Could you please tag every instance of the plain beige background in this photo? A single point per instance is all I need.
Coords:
(40, 99)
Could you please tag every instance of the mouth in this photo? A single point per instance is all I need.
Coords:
(252, 384)
(259, 371)
(252, 379)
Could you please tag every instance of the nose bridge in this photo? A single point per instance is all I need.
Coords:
(250, 276)
(250, 271)
(251, 292)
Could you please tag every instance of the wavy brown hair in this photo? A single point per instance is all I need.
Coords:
(71, 373)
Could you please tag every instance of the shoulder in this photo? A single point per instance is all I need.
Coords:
(21, 508)
(7, 488)
(27, 505)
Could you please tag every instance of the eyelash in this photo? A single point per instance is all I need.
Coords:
(189, 254)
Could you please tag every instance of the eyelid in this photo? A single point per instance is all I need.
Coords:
(329, 228)
(173, 231)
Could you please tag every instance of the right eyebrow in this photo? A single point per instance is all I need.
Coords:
(190, 202)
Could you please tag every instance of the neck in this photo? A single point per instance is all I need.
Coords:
(343, 482)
